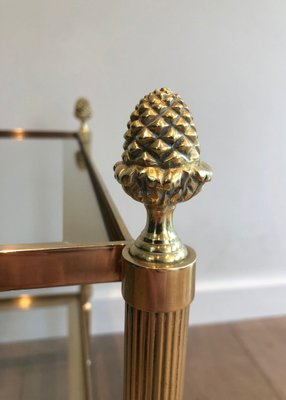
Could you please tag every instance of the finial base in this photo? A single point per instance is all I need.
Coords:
(159, 242)
(84, 132)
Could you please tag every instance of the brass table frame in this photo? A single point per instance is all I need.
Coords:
(160, 167)
(68, 264)
(25, 266)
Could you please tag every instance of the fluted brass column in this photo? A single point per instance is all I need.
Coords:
(160, 167)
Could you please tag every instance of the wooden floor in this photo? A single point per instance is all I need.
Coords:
(238, 361)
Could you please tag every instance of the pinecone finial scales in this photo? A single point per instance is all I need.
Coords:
(160, 167)
(82, 109)
(161, 132)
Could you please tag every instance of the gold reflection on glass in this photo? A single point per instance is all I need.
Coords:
(19, 133)
(80, 161)
(25, 301)
(86, 306)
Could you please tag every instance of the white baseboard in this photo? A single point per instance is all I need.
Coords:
(213, 303)
(238, 303)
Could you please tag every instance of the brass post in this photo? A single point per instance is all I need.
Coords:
(83, 112)
(160, 167)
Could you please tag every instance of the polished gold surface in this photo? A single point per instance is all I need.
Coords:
(158, 287)
(161, 167)
(83, 112)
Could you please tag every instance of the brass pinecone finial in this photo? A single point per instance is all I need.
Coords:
(161, 159)
(161, 132)
(82, 109)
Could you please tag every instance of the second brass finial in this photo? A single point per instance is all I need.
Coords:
(161, 167)
(82, 111)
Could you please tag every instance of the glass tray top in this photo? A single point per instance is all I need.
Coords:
(47, 195)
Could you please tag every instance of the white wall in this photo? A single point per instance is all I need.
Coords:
(226, 58)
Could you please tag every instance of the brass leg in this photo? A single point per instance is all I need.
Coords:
(155, 351)
(86, 304)
(85, 317)
(160, 167)
(76, 377)
(156, 326)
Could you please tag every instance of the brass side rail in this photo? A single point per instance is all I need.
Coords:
(41, 267)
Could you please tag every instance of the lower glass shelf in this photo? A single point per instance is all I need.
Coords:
(44, 346)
